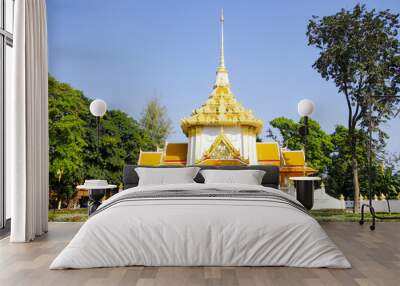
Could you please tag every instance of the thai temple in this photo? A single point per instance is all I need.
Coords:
(223, 132)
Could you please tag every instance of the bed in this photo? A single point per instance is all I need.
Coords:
(201, 224)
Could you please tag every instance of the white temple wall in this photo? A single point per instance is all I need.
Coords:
(244, 150)
(198, 146)
(189, 157)
(252, 150)
(249, 147)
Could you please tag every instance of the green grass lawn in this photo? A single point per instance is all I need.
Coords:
(343, 215)
(71, 215)
(80, 215)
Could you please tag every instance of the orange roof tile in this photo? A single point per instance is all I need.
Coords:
(176, 153)
(268, 153)
(150, 158)
(293, 158)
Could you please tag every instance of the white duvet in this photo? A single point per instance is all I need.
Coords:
(200, 231)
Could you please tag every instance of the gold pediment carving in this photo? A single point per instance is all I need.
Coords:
(222, 149)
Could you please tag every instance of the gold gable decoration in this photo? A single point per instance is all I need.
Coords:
(222, 150)
(211, 162)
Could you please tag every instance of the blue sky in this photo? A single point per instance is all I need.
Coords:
(127, 52)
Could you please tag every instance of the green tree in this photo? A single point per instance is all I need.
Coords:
(66, 139)
(318, 141)
(73, 152)
(387, 180)
(121, 138)
(359, 51)
(392, 160)
(156, 122)
(340, 179)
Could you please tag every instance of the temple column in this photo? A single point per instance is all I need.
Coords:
(252, 149)
(189, 160)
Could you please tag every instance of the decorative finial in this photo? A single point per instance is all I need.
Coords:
(222, 73)
(222, 56)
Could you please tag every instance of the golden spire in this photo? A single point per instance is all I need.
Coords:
(222, 56)
(222, 109)
(222, 73)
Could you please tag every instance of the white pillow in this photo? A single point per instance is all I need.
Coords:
(248, 177)
(166, 176)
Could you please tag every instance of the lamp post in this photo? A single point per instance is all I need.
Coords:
(96, 188)
(98, 108)
(305, 108)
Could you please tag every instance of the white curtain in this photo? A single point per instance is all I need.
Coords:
(27, 124)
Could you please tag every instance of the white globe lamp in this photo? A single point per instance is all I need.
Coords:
(305, 107)
(98, 107)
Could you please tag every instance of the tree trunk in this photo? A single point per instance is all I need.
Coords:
(354, 167)
(356, 185)
(388, 204)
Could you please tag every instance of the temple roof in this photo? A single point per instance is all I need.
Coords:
(293, 158)
(268, 153)
(221, 108)
(150, 158)
(175, 153)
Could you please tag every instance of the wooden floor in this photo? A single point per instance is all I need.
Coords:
(375, 257)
